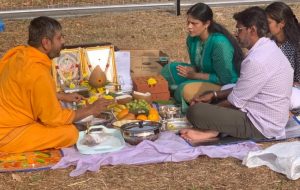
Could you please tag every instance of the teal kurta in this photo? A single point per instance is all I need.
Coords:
(214, 56)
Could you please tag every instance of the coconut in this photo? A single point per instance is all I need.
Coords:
(97, 78)
(123, 99)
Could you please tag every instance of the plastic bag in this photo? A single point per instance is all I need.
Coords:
(282, 157)
(94, 139)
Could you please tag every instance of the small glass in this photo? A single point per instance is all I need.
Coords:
(173, 112)
(163, 114)
(163, 110)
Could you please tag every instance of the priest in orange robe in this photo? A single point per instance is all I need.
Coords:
(31, 116)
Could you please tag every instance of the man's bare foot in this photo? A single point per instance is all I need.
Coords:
(196, 135)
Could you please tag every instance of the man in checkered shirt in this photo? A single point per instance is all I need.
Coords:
(257, 106)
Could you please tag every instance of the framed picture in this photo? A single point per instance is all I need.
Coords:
(66, 68)
(104, 57)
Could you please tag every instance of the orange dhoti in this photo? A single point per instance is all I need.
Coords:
(39, 137)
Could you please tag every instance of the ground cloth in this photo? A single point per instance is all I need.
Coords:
(169, 147)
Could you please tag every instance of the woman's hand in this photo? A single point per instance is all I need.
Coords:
(190, 73)
(186, 71)
(69, 97)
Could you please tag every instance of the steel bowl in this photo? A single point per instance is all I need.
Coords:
(104, 118)
(169, 111)
(176, 124)
(135, 132)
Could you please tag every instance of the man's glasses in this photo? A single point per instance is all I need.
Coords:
(238, 30)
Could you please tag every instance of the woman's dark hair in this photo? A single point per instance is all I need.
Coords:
(40, 28)
(203, 12)
(280, 11)
(254, 16)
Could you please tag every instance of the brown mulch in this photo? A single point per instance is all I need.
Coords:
(33, 4)
(155, 29)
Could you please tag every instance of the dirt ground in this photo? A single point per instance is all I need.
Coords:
(155, 29)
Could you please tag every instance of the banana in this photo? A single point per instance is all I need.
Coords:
(116, 109)
(121, 106)
(111, 106)
(108, 97)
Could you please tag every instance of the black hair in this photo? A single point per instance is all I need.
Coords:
(280, 11)
(254, 16)
(40, 28)
(203, 12)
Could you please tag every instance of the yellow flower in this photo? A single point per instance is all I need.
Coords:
(85, 75)
(72, 85)
(92, 99)
(101, 90)
(108, 97)
(82, 103)
(151, 81)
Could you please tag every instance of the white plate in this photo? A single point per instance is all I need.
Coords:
(111, 145)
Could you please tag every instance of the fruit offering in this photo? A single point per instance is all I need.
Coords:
(153, 115)
(134, 110)
(138, 107)
(116, 108)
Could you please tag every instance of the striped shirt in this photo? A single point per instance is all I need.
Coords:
(264, 88)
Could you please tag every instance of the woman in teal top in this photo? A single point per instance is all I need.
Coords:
(215, 57)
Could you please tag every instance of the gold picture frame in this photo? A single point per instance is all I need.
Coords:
(104, 57)
(67, 68)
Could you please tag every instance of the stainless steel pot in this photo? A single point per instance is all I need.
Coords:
(135, 132)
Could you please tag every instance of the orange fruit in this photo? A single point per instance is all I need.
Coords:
(153, 117)
(153, 111)
(129, 116)
(122, 113)
(142, 117)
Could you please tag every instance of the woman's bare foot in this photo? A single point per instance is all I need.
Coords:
(196, 135)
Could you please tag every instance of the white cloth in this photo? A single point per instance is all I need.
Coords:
(295, 98)
(264, 88)
(282, 157)
(123, 70)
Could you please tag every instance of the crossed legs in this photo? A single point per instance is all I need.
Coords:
(210, 120)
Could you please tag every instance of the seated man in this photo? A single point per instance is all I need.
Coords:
(31, 117)
(258, 106)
